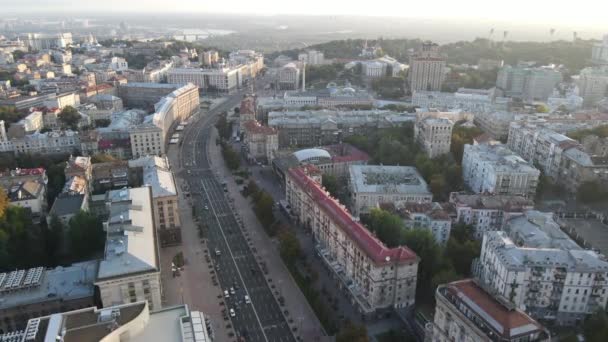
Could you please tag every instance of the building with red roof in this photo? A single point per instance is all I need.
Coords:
(466, 312)
(374, 275)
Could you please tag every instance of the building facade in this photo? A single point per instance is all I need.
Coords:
(434, 135)
(288, 77)
(427, 68)
(537, 267)
(497, 170)
(374, 276)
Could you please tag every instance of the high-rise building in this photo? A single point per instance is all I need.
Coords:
(312, 57)
(593, 85)
(530, 84)
(209, 58)
(599, 52)
(427, 68)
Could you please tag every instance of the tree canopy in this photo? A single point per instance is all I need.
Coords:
(86, 235)
(69, 117)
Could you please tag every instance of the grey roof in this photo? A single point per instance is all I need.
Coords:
(500, 157)
(66, 283)
(157, 174)
(387, 179)
(130, 243)
(67, 204)
(303, 155)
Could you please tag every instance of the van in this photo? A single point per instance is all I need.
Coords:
(247, 299)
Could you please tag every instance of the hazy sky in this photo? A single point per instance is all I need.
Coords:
(586, 13)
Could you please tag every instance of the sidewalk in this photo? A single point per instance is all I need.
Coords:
(301, 315)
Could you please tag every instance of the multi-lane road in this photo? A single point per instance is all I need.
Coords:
(236, 264)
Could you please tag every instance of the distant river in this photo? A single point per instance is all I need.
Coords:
(191, 35)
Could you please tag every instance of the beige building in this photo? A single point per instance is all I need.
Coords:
(464, 311)
(371, 274)
(593, 85)
(130, 268)
(261, 141)
(427, 68)
(146, 140)
(156, 172)
(434, 135)
(209, 57)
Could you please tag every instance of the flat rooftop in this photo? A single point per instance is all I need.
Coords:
(496, 202)
(131, 240)
(65, 283)
(157, 174)
(387, 179)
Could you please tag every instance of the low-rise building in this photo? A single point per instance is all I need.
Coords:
(370, 185)
(130, 268)
(26, 188)
(495, 123)
(434, 135)
(497, 170)
(488, 212)
(469, 100)
(30, 292)
(374, 276)
(465, 311)
(537, 267)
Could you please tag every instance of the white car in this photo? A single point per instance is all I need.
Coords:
(232, 313)
(226, 294)
(232, 291)
(247, 299)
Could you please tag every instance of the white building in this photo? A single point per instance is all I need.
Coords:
(426, 216)
(469, 100)
(529, 84)
(130, 269)
(372, 275)
(373, 69)
(119, 64)
(537, 267)
(261, 141)
(370, 185)
(465, 311)
(495, 124)
(488, 212)
(187, 75)
(63, 100)
(497, 170)
(434, 135)
(288, 77)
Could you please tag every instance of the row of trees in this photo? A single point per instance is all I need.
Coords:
(262, 206)
(389, 87)
(438, 264)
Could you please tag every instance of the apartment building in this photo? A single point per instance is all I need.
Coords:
(327, 127)
(593, 85)
(561, 158)
(144, 95)
(427, 68)
(370, 185)
(208, 58)
(146, 140)
(130, 268)
(488, 212)
(537, 267)
(373, 276)
(312, 57)
(156, 172)
(465, 311)
(134, 322)
(497, 170)
(195, 76)
(434, 135)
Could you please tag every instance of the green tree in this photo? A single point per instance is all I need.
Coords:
(4, 202)
(352, 333)
(9, 114)
(86, 235)
(263, 209)
(330, 183)
(460, 136)
(289, 246)
(388, 227)
(231, 157)
(21, 241)
(223, 127)
(423, 243)
(596, 327)
(102, 123)
(69, 117)
(592, 192)
(54, 241)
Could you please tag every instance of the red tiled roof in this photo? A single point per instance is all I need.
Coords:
(373, 247)
(252, 126)
(509, 319)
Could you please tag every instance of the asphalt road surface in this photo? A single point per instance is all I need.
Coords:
(236, 264)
